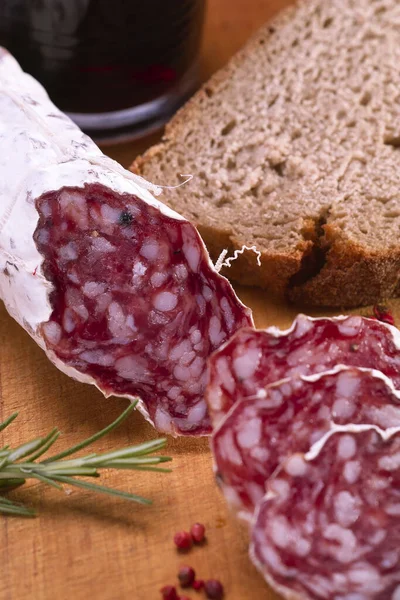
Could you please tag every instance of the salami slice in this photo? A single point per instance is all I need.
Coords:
(329, 526)
(117, 288)
(253, 359)
(289, 416)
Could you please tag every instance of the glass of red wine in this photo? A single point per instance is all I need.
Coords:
(119, 68)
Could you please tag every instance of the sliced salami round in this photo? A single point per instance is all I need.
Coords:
(253, 359)
(118, 289)
(329, 526)
(259, 433)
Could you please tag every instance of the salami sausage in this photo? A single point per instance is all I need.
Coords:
(329, 526)
(253, 359)
(289, 416)
(117, 288)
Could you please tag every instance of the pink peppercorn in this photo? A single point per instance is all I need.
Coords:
(183, 540)
(168, 592)
(214, 589)
(198, 584)
(197, 532)
(382, 313)
(186, 576)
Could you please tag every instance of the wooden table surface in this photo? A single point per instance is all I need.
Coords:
(86, 546)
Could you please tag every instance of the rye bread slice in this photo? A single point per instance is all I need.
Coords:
(295, 148)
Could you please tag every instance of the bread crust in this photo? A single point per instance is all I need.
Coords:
(347, 274)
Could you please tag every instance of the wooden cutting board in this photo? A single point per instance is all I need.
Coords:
(86, 546)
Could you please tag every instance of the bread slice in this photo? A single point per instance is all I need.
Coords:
(295, 148)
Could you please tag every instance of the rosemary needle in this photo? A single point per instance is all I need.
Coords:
(21, 463)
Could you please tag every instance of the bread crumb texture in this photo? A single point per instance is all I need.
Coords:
(295, 148)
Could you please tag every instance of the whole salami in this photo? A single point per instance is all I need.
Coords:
(259, 433)
(252, 359)
(114, 286)
(329, 526)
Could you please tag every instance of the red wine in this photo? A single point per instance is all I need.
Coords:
(110, 63)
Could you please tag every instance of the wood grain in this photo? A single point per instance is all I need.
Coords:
(85, 546)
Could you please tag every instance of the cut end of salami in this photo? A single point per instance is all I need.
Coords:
(118, 288)
(329, 528)
(259, 433)
(253, 359)
(136, 304)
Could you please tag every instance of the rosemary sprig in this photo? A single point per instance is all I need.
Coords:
(19, 464)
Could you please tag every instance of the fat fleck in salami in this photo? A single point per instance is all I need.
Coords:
(253, 359)
(118, 289)
(329, 527)
(289, 416)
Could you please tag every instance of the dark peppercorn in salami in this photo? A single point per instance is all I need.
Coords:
(253, 359)
(117, 288)
(329, 526)
(259, 433)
